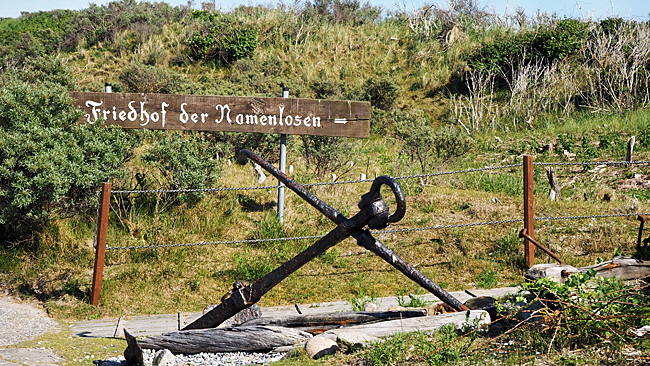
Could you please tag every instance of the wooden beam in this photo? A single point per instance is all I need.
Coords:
(529, 216)
(100, 244)
(235, 339)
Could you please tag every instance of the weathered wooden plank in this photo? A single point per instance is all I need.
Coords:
(335, 319)
(422, 324)
(235, 339)
(293, 116)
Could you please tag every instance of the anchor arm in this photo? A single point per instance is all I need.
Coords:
(242, 297)
(379, 221)
(374, 213)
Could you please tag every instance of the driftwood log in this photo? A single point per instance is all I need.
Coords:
(335, 319)
(623, 268)
(232, 339)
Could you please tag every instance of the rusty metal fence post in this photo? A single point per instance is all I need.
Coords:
(100, 242)
(529, 215)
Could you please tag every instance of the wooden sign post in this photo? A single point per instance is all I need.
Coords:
(290, 116)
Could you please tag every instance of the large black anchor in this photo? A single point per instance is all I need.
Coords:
(374, 213)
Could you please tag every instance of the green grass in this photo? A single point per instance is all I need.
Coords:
(300, 53)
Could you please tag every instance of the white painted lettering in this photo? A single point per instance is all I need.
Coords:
(194, 117)
(281, 111)
(155, 117)
(163, 112)
(263, 119)
(133, 114)
(307, 121)
(288, 120)
(273, 120)
(297, 121)
(203, 117)
(122, 115)
(143, 114)
(251, 119)
(95, 111)
(316, 121)
(239, 119)
(223, 113)
(184, 117)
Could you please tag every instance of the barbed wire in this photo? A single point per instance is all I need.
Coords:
(471, 170)
(548, 218)
(250, 241)
(438, 227)
(315, 184)
(254, 241)
(608, 163)
(448, 226)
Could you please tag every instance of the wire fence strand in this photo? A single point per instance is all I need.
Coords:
(438, 227)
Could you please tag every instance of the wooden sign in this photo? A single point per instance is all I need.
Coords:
(289, 116)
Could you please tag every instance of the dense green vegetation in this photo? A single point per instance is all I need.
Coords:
(451, 87)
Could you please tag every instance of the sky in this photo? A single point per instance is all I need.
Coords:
(583, 9)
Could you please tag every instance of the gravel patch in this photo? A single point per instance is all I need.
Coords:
(204, 359)
(22, 321)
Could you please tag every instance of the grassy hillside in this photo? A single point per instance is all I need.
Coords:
(452, 88)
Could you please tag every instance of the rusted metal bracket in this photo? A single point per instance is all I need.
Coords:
(524, 234)
(640, 250)
(374, 213)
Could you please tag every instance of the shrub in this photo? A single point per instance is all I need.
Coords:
(222, 38)
(50, 166)
(264, 144)
(546, 44)
(382, 92)
(587, 310)
(185, 161)
(32, 34)
(103, 23)
(341, 11)
(423, 143)
(325, 153)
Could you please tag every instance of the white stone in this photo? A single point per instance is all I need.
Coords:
(319, 346)
(164, 357)
(551, 270)
(371, 306)
(354, 340)
(261, 177)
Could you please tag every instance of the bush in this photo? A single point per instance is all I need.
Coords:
(423, 143)
(342, 11)
(587, 310)
(325, 153)
(32, 35)
(547, 44)
(185, 161)
(50, 166)
(102, 24)
(382, 92)
(222, 38)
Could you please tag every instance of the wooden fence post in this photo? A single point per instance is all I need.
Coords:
(630, 149)
(100, 242)
(529, 215)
